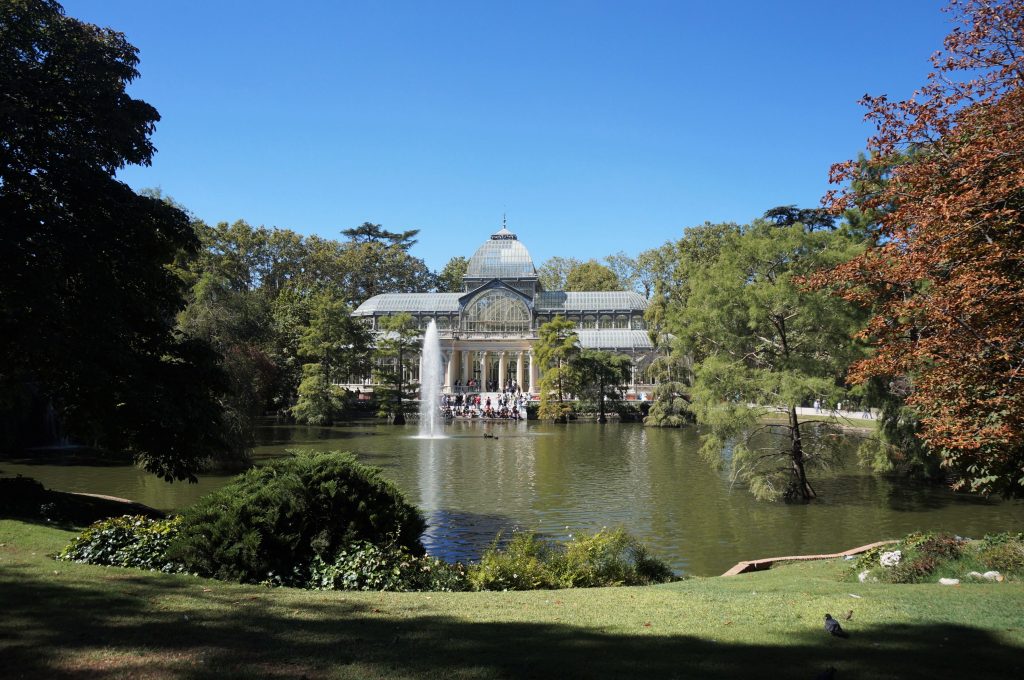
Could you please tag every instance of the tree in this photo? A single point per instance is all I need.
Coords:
(671, 398)
(367, 232)
(811, 218)
(236, 324)
(625, 268)
(553, 271)
(945, 281)
(396, 346)
(556, 347)
(599, 376)
(337, 347)
(760, 342)
(450, 278)
(593, 276)
(88, 293)
(371, 268)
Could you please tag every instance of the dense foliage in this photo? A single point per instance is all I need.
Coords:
(128, 541)
(592, 275)
(88, 295)
(556, 347)
(945, 281)
(757, 341)
(396, 349)
(598, 378)
(273, 521)
(366, 566)
(529, 562)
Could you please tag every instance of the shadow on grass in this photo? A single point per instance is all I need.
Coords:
(136, 626)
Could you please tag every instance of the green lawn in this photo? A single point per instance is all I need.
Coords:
(63, 620)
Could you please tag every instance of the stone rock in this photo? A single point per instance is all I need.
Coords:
(866, 577)
(975, 575)
(992, 576)
(949, 581)
(890, 559)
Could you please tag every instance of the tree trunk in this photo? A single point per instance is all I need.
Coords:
(600, 405)
(803, 490)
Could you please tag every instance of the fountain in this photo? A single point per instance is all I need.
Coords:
(431, 380)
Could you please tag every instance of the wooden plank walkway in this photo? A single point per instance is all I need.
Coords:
(766, 563)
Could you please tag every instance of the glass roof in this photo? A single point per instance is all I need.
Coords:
(620, 339)
(501, 257)
(558, 301)
(409, 302)
(547, 302)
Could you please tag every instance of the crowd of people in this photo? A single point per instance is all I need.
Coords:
(510, 404)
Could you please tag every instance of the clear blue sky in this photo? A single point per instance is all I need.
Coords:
(597, 126)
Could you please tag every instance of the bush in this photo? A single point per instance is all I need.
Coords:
(272, 522)
(609, 558)
(129, 541)
(523, 564)
(528, 562)
(364, 566)
(1002, 552)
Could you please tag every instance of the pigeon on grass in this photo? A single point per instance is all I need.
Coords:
(833, 627)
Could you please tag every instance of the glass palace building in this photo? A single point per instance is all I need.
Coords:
(488, 329)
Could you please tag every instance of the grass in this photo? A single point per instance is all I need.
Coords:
(62, 620)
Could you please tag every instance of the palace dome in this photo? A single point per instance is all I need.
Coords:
(502, 256)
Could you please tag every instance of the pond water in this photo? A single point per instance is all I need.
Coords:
(560, 479)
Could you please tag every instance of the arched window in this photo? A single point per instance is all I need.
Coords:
(496, 311)
(589, 321)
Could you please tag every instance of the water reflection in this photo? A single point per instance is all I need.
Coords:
(563, 479)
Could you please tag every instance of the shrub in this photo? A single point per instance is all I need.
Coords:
(271, 522)
(129, 541)
(609, 558)
(1002, 552)
(523, 564)
(528, 562)
(364, 566)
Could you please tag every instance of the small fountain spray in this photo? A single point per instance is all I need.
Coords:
(431, 381)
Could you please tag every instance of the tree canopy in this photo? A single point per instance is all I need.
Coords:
(89, 293)
(450, 278)
(554, 270)
(945, 281)
(593, 276)
(758, 342)
(556, 347)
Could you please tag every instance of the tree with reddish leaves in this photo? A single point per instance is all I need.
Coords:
(945, 280)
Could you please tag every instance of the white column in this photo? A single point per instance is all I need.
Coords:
(519, 370)
(502, 369)
(483, 371)
(467, 368)
(533, 373)
(448, 369)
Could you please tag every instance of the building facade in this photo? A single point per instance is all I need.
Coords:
(488, 329)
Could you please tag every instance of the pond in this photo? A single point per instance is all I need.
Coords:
(560, 479)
